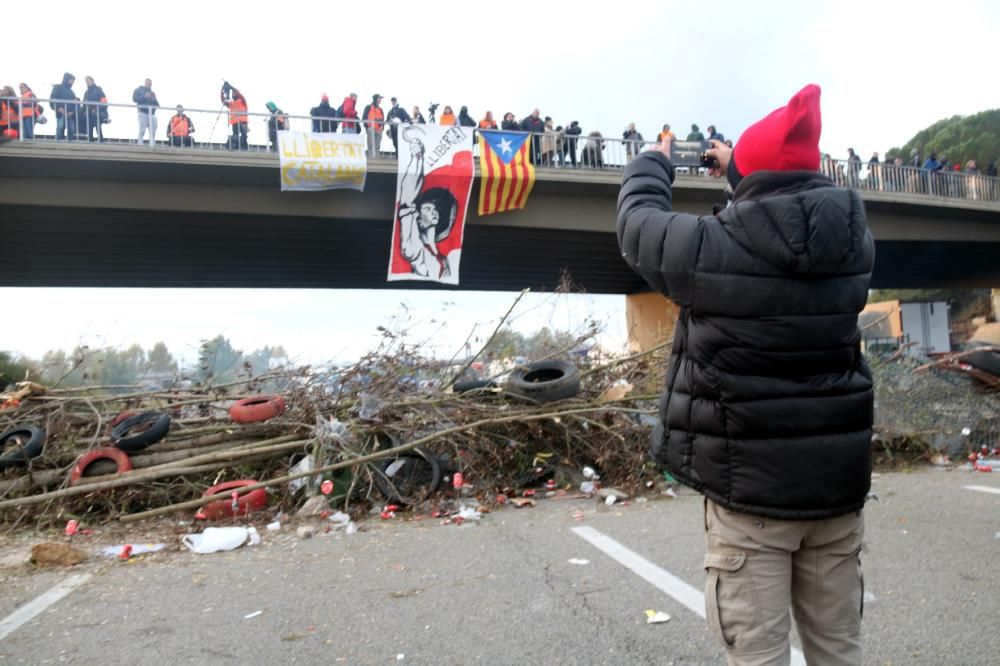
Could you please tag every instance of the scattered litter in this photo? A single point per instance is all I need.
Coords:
(326, 487)
(135, 549)
(50, 554)
(340, 518)
(370, 406)
(469, 513)
(305, 531)
(400, 657)
(521, 502)
(577, 560)
(72, 527)
(590, 474)
(588, 487)
(669, 492)
(656, 617)
(304, 465)
(940, 460)
(394, 467)
(610, 499)
(351, 528)
(612, 492)
(254, 536)
(215, 539)
(253, 614)
(274, 527)
(314, 506)
(616, 391)
(869, 597)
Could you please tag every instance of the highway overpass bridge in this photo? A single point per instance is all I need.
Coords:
(134, 216)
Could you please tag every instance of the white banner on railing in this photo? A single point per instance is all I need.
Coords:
(313, 161)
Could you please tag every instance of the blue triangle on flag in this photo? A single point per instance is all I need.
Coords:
(504, 144)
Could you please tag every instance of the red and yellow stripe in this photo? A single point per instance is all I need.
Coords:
(504, 187)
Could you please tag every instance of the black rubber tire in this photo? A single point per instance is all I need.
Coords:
(985, 361)
(20, 455)
(544, 381)
(414, 482)
(159, 425)
(473, 385)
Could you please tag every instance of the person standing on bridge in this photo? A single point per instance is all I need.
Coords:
(323, 116)
(95, 113)
(145, 98)
(60, 99)
(769, 402)
(715, 135)
(695, 134)
(239, 120)
(397, 116)
(374, 117)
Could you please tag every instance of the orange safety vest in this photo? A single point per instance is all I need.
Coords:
(179, 126)
(28, 106)
(487, 124)
(8, 114)
(238, 111)
(374, 114)
(447, 119)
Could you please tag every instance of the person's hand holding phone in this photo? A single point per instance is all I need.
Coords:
(722, 154)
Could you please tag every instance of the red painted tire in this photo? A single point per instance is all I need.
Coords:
(255, 500)
(257, 408)
(118, 419)
(107, 453)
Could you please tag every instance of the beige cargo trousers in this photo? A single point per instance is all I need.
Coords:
(759, 567)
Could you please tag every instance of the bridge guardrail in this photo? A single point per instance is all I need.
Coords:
(104, 122)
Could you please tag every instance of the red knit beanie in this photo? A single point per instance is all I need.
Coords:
(787, 139)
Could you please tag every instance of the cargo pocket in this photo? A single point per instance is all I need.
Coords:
(729, 603)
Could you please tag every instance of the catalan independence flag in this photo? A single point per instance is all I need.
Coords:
(507, 173)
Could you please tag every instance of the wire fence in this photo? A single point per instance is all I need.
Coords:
(44, 120)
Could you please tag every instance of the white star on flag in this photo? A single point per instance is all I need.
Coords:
(504, 146)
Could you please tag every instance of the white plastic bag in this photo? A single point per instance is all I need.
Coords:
(215, 539)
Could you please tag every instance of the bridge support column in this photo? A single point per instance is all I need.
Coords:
(996, 304)
(651, 318)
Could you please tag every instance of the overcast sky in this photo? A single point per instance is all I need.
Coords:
(887, 69)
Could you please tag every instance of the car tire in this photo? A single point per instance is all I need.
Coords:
(255, 500)
(987, 361)
(21, 454)
(119, 457)
(408, 478)
(157, 425)
(544, 381)
(473, 385)
(257, 408)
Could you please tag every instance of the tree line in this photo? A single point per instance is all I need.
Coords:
(218, 362)
(959, 138)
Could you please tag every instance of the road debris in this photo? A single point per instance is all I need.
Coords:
(56, 554)
(656, 617)
(216, 539)
(577, 560)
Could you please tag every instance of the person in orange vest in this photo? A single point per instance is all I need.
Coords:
(374, 118)
(180, 129)
(31, 112)
(239, 121)
(10, 121)
(666, 134)
(447, 117)
(488, 123)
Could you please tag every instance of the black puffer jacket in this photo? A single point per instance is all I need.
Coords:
(768, 406)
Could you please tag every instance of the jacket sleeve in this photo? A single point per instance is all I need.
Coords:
(660, 245)
(137, 96)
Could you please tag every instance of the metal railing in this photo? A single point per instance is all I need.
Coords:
(218, 130)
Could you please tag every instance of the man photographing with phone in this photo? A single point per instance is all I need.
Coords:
(768, 406)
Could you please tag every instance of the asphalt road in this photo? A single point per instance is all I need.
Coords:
(503, 591)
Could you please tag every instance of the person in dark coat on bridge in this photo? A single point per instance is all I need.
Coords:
(991, 169)
(323, 115)
(95, 113)
(536, 126)
(66, 113)
(714, 135)
(569, 146)
(396, 116)
(509, 123)
(769, 403)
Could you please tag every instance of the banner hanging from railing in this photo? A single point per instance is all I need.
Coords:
(313, 161)
(432, 197)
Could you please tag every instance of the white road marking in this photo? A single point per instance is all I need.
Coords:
(688, 596)
(984, 489)
(29, 610)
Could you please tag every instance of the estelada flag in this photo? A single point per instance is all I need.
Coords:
(507, 173)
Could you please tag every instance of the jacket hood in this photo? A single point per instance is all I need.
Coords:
(67, 77)
(798, 221)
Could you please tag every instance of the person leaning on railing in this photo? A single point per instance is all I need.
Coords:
(146, 100)
(95, 113)
(31, 112)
